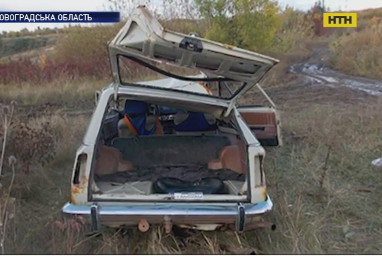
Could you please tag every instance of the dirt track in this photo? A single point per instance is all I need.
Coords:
(327, 84)
(314, 71)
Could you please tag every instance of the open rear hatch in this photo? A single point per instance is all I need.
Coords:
(144, 41)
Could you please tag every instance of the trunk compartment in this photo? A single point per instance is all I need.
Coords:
(172, 164)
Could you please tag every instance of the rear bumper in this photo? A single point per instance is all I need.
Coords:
(181, 214)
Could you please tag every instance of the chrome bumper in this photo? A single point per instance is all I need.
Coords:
(185, 214)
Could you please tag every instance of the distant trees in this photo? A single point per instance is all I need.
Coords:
(25, 32)
(316, 15)
(250, 24)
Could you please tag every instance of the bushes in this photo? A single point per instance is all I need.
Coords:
(81, 53)
(249, 24)
(16, 45)
(26, 70)
(25, 32)
(358, 53)
(87, 46)
(295, 28)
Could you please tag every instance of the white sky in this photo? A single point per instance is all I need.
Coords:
(98, 5)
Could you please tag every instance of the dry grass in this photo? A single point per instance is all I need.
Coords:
(357, 51)
(66, 91)
(330, 205)
(41, 192)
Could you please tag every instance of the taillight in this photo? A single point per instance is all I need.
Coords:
(79, 181)
(80, 168)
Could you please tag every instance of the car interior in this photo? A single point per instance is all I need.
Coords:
(150, 149)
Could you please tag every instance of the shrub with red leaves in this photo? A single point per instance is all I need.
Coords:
(316, 14)
(27, 70)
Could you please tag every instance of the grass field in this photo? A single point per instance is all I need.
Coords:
(326, 193)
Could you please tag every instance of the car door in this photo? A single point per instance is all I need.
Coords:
(264, 122)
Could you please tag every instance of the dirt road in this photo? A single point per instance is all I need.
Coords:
(316, 83)
(314, 71)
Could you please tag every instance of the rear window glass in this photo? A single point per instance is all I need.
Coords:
(132, 73)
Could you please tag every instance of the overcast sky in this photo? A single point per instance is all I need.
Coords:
(99, 5)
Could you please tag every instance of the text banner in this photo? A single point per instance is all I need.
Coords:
(59, 17)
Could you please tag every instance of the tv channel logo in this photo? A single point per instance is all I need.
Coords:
(340, 20)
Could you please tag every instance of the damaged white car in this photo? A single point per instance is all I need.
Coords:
(176, 150)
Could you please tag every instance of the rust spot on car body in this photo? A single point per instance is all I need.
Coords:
(79, 188)
(204, 85)
(72, 199)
